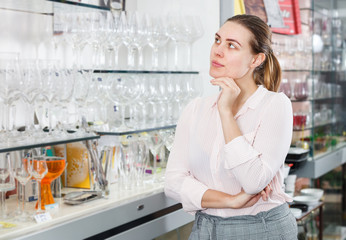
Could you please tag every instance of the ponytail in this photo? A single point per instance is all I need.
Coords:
(269, 73)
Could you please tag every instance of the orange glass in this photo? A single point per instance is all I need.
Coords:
(56, 166)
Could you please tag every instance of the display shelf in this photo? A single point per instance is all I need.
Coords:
(48, 6)
(316, 99)
(296, 70)
(124, 214)
(20, 145)
(137, 131)
(323, 162)
(145, 72)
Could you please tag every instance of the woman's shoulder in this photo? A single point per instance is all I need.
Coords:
(277, 98)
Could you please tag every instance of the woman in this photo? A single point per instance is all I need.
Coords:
(229, 147)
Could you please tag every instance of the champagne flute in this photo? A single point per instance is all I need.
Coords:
(6, 181)
(22, 171)
(39, 170)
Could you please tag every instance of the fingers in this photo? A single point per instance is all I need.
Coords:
(265, 193)
(224, 82)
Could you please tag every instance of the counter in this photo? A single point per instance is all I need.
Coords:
(143, 213)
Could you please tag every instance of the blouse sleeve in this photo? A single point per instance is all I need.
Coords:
(255, 164)
(180, 184)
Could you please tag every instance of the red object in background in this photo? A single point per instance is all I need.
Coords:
(291, 15)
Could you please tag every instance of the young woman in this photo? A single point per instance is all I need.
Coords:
(228, 148)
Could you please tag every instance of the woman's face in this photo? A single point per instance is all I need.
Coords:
(231, 55)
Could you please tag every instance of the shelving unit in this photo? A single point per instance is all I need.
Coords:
(124, 214)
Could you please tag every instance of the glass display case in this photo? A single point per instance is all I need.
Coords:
(314, 79)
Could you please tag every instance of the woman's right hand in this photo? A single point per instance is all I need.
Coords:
(244, 200)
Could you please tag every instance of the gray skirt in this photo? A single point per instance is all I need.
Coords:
(276, 224)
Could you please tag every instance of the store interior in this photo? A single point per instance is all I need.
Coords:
(91, 92)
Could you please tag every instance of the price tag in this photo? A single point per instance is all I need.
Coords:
(43, 217)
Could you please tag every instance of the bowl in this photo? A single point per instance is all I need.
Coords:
(296, 212)
(306, 199)
(315, 192)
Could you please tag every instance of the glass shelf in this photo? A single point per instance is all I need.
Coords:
(137, 131)
(316, 126)
(296, 70)
(145, 72)
(20, 146)
(47, 6)
(315, 100)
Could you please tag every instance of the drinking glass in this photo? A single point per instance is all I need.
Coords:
(155, 142)
(9, 91)
(7, 182)
(194, 31)
(123, 90)
(39, 170)
(301, 90)
(30, 90)
(141, 159)
(80, 94)
(126, 161)
(22, 171)
(55, 167)
(157, 36)
(285, 87)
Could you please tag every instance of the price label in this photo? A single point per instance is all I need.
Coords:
(43, 217)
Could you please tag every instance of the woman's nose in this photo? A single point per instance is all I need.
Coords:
(218, 51)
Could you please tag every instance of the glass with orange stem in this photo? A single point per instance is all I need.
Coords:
(39, 170)
(55, 167)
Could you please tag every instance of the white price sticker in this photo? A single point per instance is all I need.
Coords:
(43, 217)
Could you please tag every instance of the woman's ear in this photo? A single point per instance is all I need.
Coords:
(258, 60)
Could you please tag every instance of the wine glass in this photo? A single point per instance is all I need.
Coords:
(155, 142)
(157, 37)
(30, 90)
(9, 90)
(39, 170)
(55, 167)
(7, 182)
(285, 87)
(301, 91)
(22, 171)
(194, 31)
(123, 91)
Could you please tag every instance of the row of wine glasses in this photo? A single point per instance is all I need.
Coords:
(106, 32)
(301, 88)
(58, 100)
(24, 165)
(139, 158)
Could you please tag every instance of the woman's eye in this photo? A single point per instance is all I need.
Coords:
(217, 40)
(231, 45)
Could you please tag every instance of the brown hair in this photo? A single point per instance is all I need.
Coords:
(269, 72)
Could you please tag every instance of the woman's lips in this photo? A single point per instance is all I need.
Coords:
(216, 64)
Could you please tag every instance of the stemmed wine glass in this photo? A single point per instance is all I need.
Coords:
(194, 31)
(39, 170)
(155, 142)
(30, 90)
(123, 91)
(80, 94)
(157, 36)
(65, 88)
(9, 90)
(7, 182)
(22, 171)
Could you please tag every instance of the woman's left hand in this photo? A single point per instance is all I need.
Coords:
(266, 192)
(229, 93)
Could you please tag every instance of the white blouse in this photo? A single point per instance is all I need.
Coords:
(201, 160)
